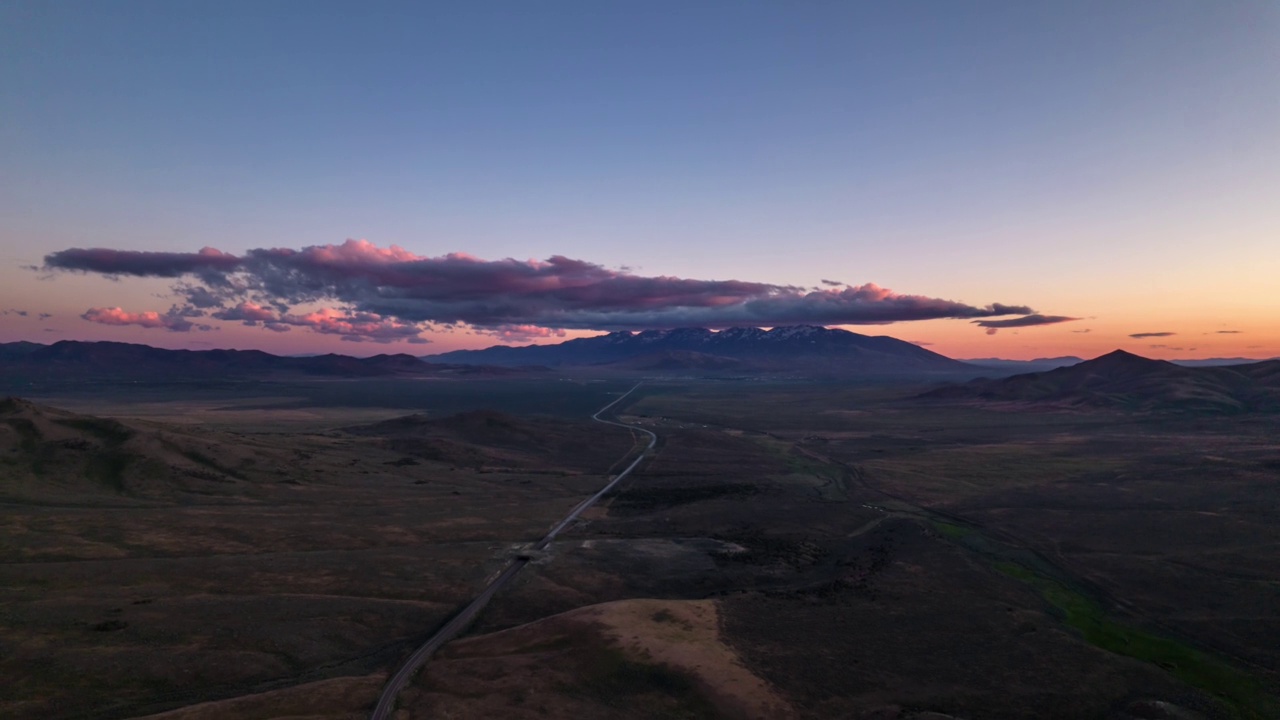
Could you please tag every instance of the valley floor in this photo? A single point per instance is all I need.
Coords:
(791, 550)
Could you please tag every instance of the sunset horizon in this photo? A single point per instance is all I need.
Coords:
(898, 360)
(299, 181)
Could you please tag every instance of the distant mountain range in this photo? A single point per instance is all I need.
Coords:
(1042, 364)
(1024, 366)
(1123, 380)
(1220, 362)
(87, 360)
(801, 348)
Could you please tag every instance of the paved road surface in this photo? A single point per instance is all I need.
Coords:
(386, 703)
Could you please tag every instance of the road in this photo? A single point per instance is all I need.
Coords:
(387, 701)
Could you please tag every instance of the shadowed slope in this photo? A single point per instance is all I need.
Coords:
(48, 454)
(1123, 380)
(491, 439)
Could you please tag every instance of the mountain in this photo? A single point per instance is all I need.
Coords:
(1219, 362)
(73, 360)
(803, 348)
(17, 350)
(1025, 366)
(1126, 381)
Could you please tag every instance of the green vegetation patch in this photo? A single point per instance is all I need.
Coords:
(1244, 693)
(956, 532)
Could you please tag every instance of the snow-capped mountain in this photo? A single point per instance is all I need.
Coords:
(798, 347)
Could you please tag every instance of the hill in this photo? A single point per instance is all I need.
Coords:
(1126, 381)
(801, 348)
(47, 455)
(70, 361)
(487, 439)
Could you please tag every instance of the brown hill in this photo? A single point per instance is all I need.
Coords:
(1123, 380)
(50, 455)
(490, 439)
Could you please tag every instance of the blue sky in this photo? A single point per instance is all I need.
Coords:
(1112, 161)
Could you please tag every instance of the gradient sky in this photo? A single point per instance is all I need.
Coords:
(1114, 162)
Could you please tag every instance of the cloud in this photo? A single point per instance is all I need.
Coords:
(357, 326)
(141, 264)
(250, 313)
(172, 321)
(25, 313)
(409, 293)
(1139, 336)
(351, 326)
(1080, 332)
(1024, 321)
(1229, 332)
(520, 333)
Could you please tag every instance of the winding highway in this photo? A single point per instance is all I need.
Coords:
(387, 701)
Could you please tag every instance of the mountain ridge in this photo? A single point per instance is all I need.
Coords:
(72, 360)
(788, 348)
(1123, 380)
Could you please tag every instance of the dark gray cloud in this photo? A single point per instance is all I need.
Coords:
(397, 294)
(141, 264)
(1139, 336)
(1024, 321)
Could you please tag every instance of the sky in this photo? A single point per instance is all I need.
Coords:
(986, 179)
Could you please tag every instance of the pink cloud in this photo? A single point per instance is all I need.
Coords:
(352, 326)
(148, 319)
(521, 333)
(250, 313)
(357, 326)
